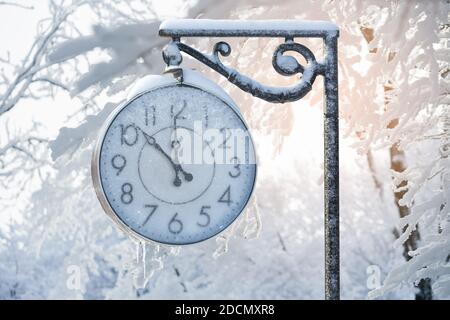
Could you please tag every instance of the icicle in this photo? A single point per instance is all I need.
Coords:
(248, 226)
(137, 269)
(148, 259)
(222, 246)
(252, 226)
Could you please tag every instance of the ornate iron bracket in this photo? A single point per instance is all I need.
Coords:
(285, 65)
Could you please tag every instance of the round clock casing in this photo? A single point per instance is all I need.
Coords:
(175, 164)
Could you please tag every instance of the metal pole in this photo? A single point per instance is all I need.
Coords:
(331, 174)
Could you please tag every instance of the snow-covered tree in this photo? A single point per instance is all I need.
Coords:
(394, 95)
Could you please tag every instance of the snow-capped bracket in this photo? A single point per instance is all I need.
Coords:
(285, 65)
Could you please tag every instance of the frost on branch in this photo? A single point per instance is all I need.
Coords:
(127, 43)
(70, 139)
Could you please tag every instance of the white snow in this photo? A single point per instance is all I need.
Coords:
(287, 62)
(127, 43)
(148, 82)
(249, 25)
(71, 138)
(190, 77)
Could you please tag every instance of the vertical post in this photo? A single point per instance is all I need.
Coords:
(331, 174)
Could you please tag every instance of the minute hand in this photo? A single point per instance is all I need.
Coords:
(177, 167)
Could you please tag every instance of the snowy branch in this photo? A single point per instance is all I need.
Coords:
(15, 4)
(34, 62)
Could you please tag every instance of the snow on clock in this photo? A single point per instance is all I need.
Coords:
(175, 164)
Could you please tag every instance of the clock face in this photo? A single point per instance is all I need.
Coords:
(175, 165)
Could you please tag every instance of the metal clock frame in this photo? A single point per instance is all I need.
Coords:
(95, 165)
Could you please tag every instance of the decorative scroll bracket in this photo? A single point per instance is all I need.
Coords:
(285, 65)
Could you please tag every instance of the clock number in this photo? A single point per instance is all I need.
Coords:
(118, 162)
(226, 132)
(125, 138)
(150, 118)
(152, 208)
(175, 225)
(205, 214)
(176, 116)
(127, 196)
(226, 197)
(236, 167)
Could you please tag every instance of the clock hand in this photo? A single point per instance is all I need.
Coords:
(187, 175)
(176, 166)
(175, 143)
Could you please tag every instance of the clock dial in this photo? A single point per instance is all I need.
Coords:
(156, 170)
(176, 165)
